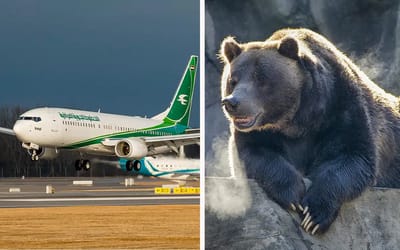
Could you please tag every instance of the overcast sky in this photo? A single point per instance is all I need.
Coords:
(122, 56)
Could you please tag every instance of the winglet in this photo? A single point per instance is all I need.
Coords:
(179, 110)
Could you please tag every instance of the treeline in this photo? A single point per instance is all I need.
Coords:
(16, 162)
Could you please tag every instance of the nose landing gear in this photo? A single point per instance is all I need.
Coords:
(34, 155)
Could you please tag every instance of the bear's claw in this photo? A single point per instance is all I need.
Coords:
(305, 210)
(308, 224)
(306, 220)
(315, 229)
(293, 207)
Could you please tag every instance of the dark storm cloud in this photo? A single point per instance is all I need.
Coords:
(124, 57)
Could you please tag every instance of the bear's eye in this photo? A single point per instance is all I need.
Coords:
(232, 81)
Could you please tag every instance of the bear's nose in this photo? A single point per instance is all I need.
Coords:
(230, 103)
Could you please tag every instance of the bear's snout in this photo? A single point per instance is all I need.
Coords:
(230, 103)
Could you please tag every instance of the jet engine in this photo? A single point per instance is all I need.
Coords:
(131, 149)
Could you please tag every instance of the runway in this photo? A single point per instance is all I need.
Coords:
(103, 192)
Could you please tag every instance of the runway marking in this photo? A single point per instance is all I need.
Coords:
(103, 199)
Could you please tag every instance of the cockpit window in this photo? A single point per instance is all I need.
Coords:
(30, 118)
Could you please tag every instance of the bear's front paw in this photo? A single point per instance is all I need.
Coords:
(317, 213)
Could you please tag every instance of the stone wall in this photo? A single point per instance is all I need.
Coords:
(371, 221)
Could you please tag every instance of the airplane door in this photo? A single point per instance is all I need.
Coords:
(56, 130)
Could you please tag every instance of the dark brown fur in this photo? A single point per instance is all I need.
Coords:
(300, 108)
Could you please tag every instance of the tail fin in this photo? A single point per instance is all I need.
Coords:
(181, 105)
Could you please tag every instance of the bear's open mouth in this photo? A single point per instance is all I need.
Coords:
(243, 122)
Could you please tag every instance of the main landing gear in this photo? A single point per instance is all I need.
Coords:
(82, 164)
(133, 165)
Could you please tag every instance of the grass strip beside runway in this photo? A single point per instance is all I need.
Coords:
(107, 227)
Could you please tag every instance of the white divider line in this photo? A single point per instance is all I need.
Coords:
(83, 183)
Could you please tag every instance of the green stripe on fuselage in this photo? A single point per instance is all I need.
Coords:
(166, 128)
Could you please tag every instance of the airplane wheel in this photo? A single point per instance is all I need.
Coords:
(78, 165)
(86, 165)
(34, 156)
(136, 165)
(129, 166)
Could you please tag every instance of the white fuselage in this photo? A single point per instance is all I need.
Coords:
(59, 127)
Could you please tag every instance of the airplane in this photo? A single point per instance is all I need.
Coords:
(163, 167)
(45, 131)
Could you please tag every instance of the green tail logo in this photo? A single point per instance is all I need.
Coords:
(179, 110)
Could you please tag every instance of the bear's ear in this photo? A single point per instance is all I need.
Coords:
(230, 49)
(289, 47)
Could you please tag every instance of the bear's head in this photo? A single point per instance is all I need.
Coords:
(263, 82)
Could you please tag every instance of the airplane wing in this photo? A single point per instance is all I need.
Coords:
(181, 139)
(173, 142)
(7, 131)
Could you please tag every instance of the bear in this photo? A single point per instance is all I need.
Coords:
(299, 109)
